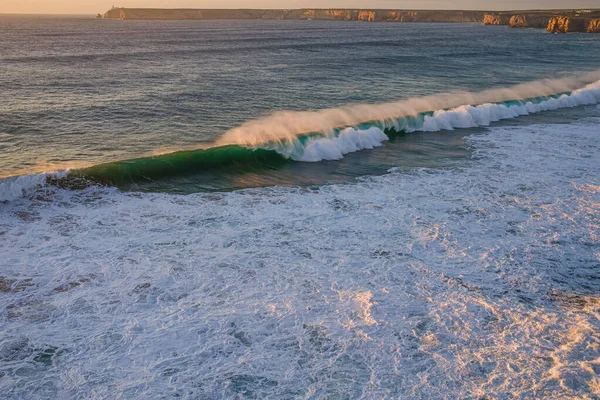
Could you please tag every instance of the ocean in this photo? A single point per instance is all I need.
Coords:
(297, 209)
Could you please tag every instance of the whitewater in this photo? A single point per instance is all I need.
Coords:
(438, 283)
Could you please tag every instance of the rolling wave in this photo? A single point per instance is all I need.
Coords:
(328, 134)
(229, 157)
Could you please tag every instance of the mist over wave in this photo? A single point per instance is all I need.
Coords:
(286, 126)
(332, 145)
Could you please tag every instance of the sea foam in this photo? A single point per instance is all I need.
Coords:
(18, 186)
(397, 286)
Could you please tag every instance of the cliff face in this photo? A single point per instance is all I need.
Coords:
(304, 14)
(553, 21)
(191, 14)
(368, 16)
(562, 24)
(496, 19)
(566, 24)
(593, 26)
(529, 21)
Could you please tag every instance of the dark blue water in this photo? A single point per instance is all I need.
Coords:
(78, 91)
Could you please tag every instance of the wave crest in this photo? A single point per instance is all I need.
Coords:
(287, 126)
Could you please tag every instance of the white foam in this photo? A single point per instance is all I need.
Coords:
(479, 280)
(18, 186)
(484, 114)
(349, 140)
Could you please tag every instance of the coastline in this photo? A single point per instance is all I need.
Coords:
(555, 21)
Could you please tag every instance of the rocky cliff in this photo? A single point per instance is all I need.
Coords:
(496, 19)
(304, 14)
(593, 26)
(529, 21)
(553, 21)
(566, 24)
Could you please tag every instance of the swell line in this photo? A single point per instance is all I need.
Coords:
(270, 142)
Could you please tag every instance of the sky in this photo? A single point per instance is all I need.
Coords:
(100, 6)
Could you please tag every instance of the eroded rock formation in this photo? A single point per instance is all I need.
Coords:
(496, 19)
(593, 26)
(562, 24)
(553, 21)
(529, 21)
(566, 24)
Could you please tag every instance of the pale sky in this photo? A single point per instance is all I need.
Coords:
(100, 6)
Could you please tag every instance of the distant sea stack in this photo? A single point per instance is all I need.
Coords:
(555, 21)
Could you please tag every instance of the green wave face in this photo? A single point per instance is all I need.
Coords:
(229, 164)
(233, 159)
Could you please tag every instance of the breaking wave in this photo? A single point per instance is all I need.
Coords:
(287, 126)
(18, 186)
(330, 134)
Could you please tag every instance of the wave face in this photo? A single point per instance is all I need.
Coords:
(181, 163)
(316, 136)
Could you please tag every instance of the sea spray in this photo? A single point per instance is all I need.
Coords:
(286, 126)
(333, 145)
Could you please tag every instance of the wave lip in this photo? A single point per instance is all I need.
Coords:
(333, 145)
(287, 126)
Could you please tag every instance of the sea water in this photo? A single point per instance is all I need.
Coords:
(297, 209)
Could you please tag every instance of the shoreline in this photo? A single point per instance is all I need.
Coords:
(555, 21)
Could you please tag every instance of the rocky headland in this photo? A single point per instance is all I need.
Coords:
(556, 21)
(560, 21)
